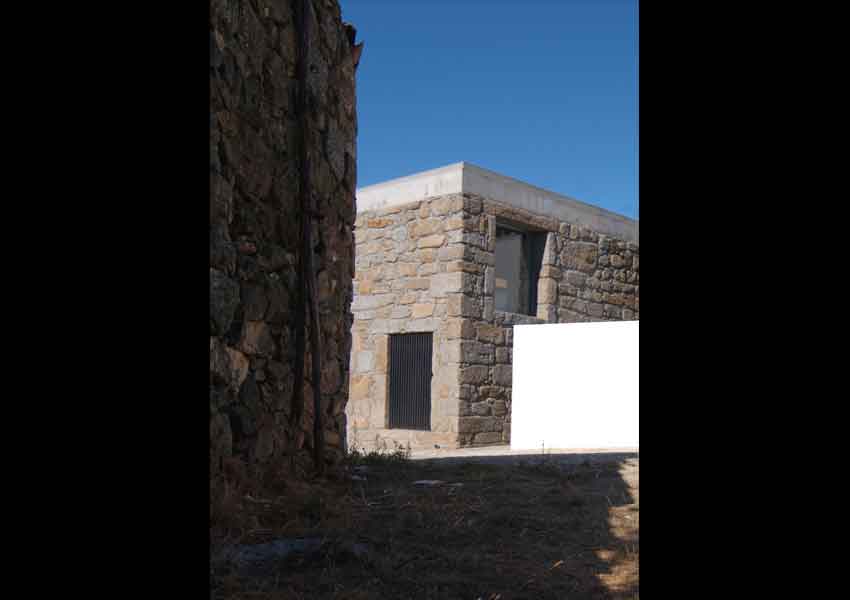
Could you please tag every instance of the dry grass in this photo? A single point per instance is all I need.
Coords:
(534, 530)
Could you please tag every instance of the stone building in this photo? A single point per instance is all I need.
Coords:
(447, 261)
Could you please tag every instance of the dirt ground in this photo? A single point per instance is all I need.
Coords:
(495, 528)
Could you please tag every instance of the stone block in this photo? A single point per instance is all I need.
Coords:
(477, 353)
(372, 302)
(502, 375)
(616, 299)
(489, 280)
(595, 310)
(453, 223)
(428, 269)
(493, 334)
(359, 389)
(485, 258)
(480, 409)
(424, 227)
(398, 234)
(256, 339)
(426, 255)
(547, 291)
(547, 312)
(364, 362)
(489, 308)
(458, 328)
(445, 205)
(461, 305)
(417, 284)
(444, 283)
(490, 236)
(489, 437)
(499, 407)
(575, 278)
(385, 326)
(423, 310)
(432, 241)
(224, 298)
(407, 269)
(455, 252)
(580, 256)
(474, 374)
(421, 325)
(472, 204)
(400, 312)
(550, 272)
(479, 424)
(550, 250)
(464, 266)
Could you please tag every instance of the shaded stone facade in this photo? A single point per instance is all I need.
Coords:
(255, 217)
(429, 266)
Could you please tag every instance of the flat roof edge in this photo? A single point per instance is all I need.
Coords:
(465, 177)
(604, 211)
(435, 182)
(413, 177)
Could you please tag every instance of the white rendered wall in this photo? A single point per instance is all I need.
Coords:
(575, 385)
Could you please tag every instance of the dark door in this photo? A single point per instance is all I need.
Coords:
(410, 381)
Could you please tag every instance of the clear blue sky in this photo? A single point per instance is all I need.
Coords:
(541, 90)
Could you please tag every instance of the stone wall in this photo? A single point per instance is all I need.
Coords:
(430, 266)
(409, 278)
(585, 276)
(255, 225)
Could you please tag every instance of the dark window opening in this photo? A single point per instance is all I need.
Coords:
(519, 255)
(410, 381)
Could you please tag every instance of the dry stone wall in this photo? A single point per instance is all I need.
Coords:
(255, 225)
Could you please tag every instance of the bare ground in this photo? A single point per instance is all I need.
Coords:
(553, 526)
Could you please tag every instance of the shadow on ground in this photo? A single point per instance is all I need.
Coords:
(566, 459)
(492, 527)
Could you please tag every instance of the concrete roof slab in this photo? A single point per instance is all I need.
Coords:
(464, 177)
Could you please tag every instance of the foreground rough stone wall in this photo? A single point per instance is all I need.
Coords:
(255, 225)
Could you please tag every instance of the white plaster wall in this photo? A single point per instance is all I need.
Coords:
(575, 385)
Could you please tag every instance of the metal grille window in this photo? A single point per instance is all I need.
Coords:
(410, 381)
